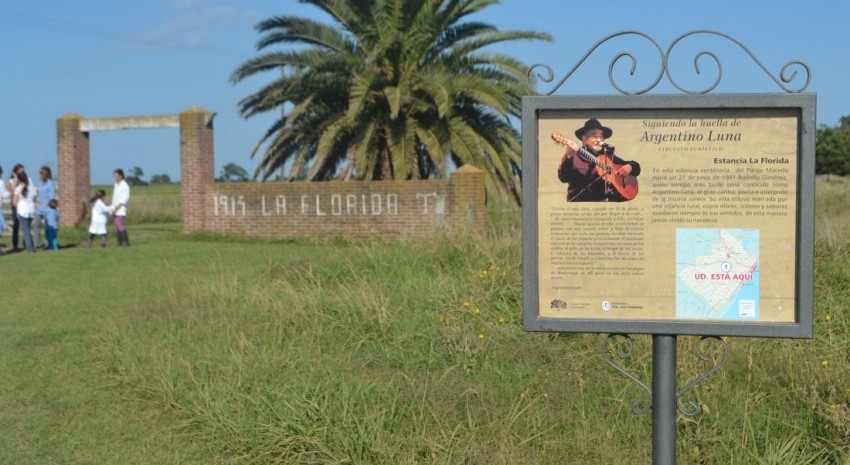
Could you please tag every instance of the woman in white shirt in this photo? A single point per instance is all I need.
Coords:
(24, 201)
(120, 199)
(10, 188)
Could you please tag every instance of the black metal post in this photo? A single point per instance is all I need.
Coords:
(664, 404)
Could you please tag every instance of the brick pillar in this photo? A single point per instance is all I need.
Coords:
(74, 177)
(466, 198)
(197, 166)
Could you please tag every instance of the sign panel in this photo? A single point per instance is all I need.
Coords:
(669, 214)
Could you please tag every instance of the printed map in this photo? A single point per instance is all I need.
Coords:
(717, 274)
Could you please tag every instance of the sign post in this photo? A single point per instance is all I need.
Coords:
(669, 215)
(664, 395)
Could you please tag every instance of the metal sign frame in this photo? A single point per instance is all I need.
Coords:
(801, 104)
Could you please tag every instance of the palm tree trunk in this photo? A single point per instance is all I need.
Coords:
(349, 163)
(384, 167)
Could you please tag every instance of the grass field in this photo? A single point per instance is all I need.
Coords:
(209, 350)
(155, 203)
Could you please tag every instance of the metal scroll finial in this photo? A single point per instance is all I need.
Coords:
(621, 345)
(705, 353)
(787, 75)
(623, 349)
(549, 77)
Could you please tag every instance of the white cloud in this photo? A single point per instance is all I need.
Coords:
(178, 4)
(197, 28)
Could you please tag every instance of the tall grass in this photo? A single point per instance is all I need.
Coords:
(832, 215)
(321, 352)
(154, 203)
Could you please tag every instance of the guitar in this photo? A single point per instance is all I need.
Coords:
(625, 184)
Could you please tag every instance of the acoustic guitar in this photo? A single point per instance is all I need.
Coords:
(625, 184)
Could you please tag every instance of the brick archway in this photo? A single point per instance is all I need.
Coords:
(197, 160)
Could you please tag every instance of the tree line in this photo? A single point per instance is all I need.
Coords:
(832, 149)
(230, 172)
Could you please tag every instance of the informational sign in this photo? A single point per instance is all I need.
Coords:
(669, 214)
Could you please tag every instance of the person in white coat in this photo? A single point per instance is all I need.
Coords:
(97, 225)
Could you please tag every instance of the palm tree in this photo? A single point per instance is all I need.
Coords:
(397, 89)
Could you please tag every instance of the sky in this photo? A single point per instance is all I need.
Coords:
(107, 58)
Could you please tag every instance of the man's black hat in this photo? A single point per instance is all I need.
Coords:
(593, 123)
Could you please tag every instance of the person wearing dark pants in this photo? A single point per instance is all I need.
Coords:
(16, 224)
(24, 201)
(120, 198)
(46, 193)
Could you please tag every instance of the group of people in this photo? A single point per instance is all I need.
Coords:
(35, 208)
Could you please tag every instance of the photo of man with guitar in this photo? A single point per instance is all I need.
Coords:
(593, 172)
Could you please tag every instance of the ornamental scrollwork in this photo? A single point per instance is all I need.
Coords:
(793, 71)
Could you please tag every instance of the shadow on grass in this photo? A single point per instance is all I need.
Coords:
(6, 249)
